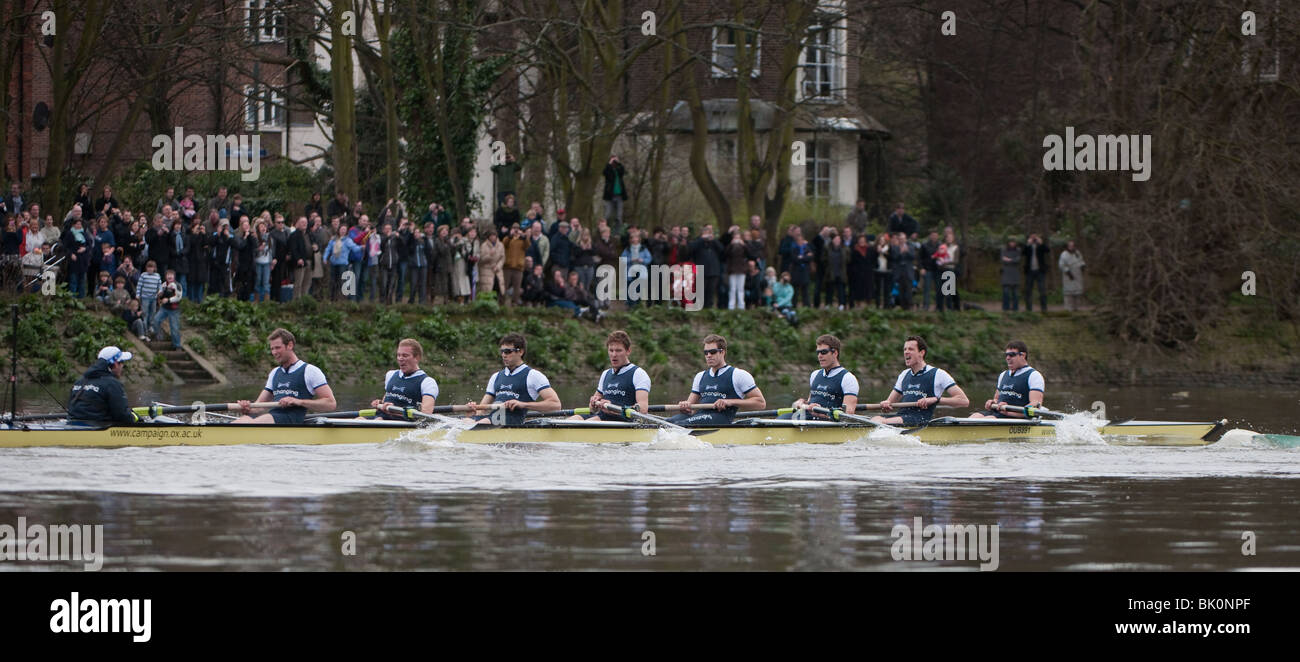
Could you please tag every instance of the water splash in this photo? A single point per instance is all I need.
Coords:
(1079, 429)
(676, 439)
(889, 437)
(442, 434)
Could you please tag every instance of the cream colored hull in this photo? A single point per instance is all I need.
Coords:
(942, 432)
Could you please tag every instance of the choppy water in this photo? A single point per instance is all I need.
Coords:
(422, 505)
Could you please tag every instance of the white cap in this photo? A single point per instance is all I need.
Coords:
(114, 355)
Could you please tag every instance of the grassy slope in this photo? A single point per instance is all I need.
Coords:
(60, 336)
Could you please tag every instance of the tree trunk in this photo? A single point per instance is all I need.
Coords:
(388, 89)
(343, 105)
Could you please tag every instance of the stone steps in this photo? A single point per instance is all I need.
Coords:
(180, 362)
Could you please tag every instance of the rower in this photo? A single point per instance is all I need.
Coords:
(726, 387)
(517, 386)
(923, 384)
(407, 386)
(623, 384)
(832, 386)
(298, 386)
(1019, 386)
(98, 397)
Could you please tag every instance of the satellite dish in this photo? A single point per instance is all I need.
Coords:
(41, 116)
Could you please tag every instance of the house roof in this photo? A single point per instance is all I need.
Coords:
(721, 117)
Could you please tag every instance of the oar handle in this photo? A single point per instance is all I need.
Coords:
(579, 411)
(1032, 412)
(359, 413)
(841, 415)
(897, 405)
(699, 406)
(630, 412)
(765, 412)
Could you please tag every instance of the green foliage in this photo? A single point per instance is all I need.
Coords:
(280, 186)
(469, 79)
(56, 334)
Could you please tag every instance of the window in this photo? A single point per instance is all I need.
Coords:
(817, 173)
(264, 20)
(822, 63)
(724, 52)
(263, 108)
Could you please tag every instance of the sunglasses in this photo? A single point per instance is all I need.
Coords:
(1011, 354)
(508, 350)
(821, 352)
(711, 352)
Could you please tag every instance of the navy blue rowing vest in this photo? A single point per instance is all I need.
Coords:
(513, 387)
(1014, 389)
(915, 387)
(293, 385)
(403, 391)
(828, 391)
(713, 388)
(618, 389)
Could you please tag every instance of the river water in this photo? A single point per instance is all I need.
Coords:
(410, 504)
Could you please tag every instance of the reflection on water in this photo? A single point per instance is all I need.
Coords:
(1173, 524)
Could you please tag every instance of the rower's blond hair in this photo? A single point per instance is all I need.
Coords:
(716, 339)
(414, 344)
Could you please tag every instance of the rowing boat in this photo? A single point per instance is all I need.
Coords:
(942, 431)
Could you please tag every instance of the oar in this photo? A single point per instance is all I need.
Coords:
(839, 414)
(876, 406)
(225, 416)
(1031, 412)
(630, 412)
(765, 412)
(157, 410)
(579, 411)
(699, 406)
(360, 413)
(497, 418)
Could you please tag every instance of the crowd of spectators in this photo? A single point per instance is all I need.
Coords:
(142, 263)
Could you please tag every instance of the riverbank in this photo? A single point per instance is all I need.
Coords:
(59, 336)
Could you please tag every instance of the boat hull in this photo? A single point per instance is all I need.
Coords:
(941, 432)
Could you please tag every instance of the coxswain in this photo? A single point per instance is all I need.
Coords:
(98, 397)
